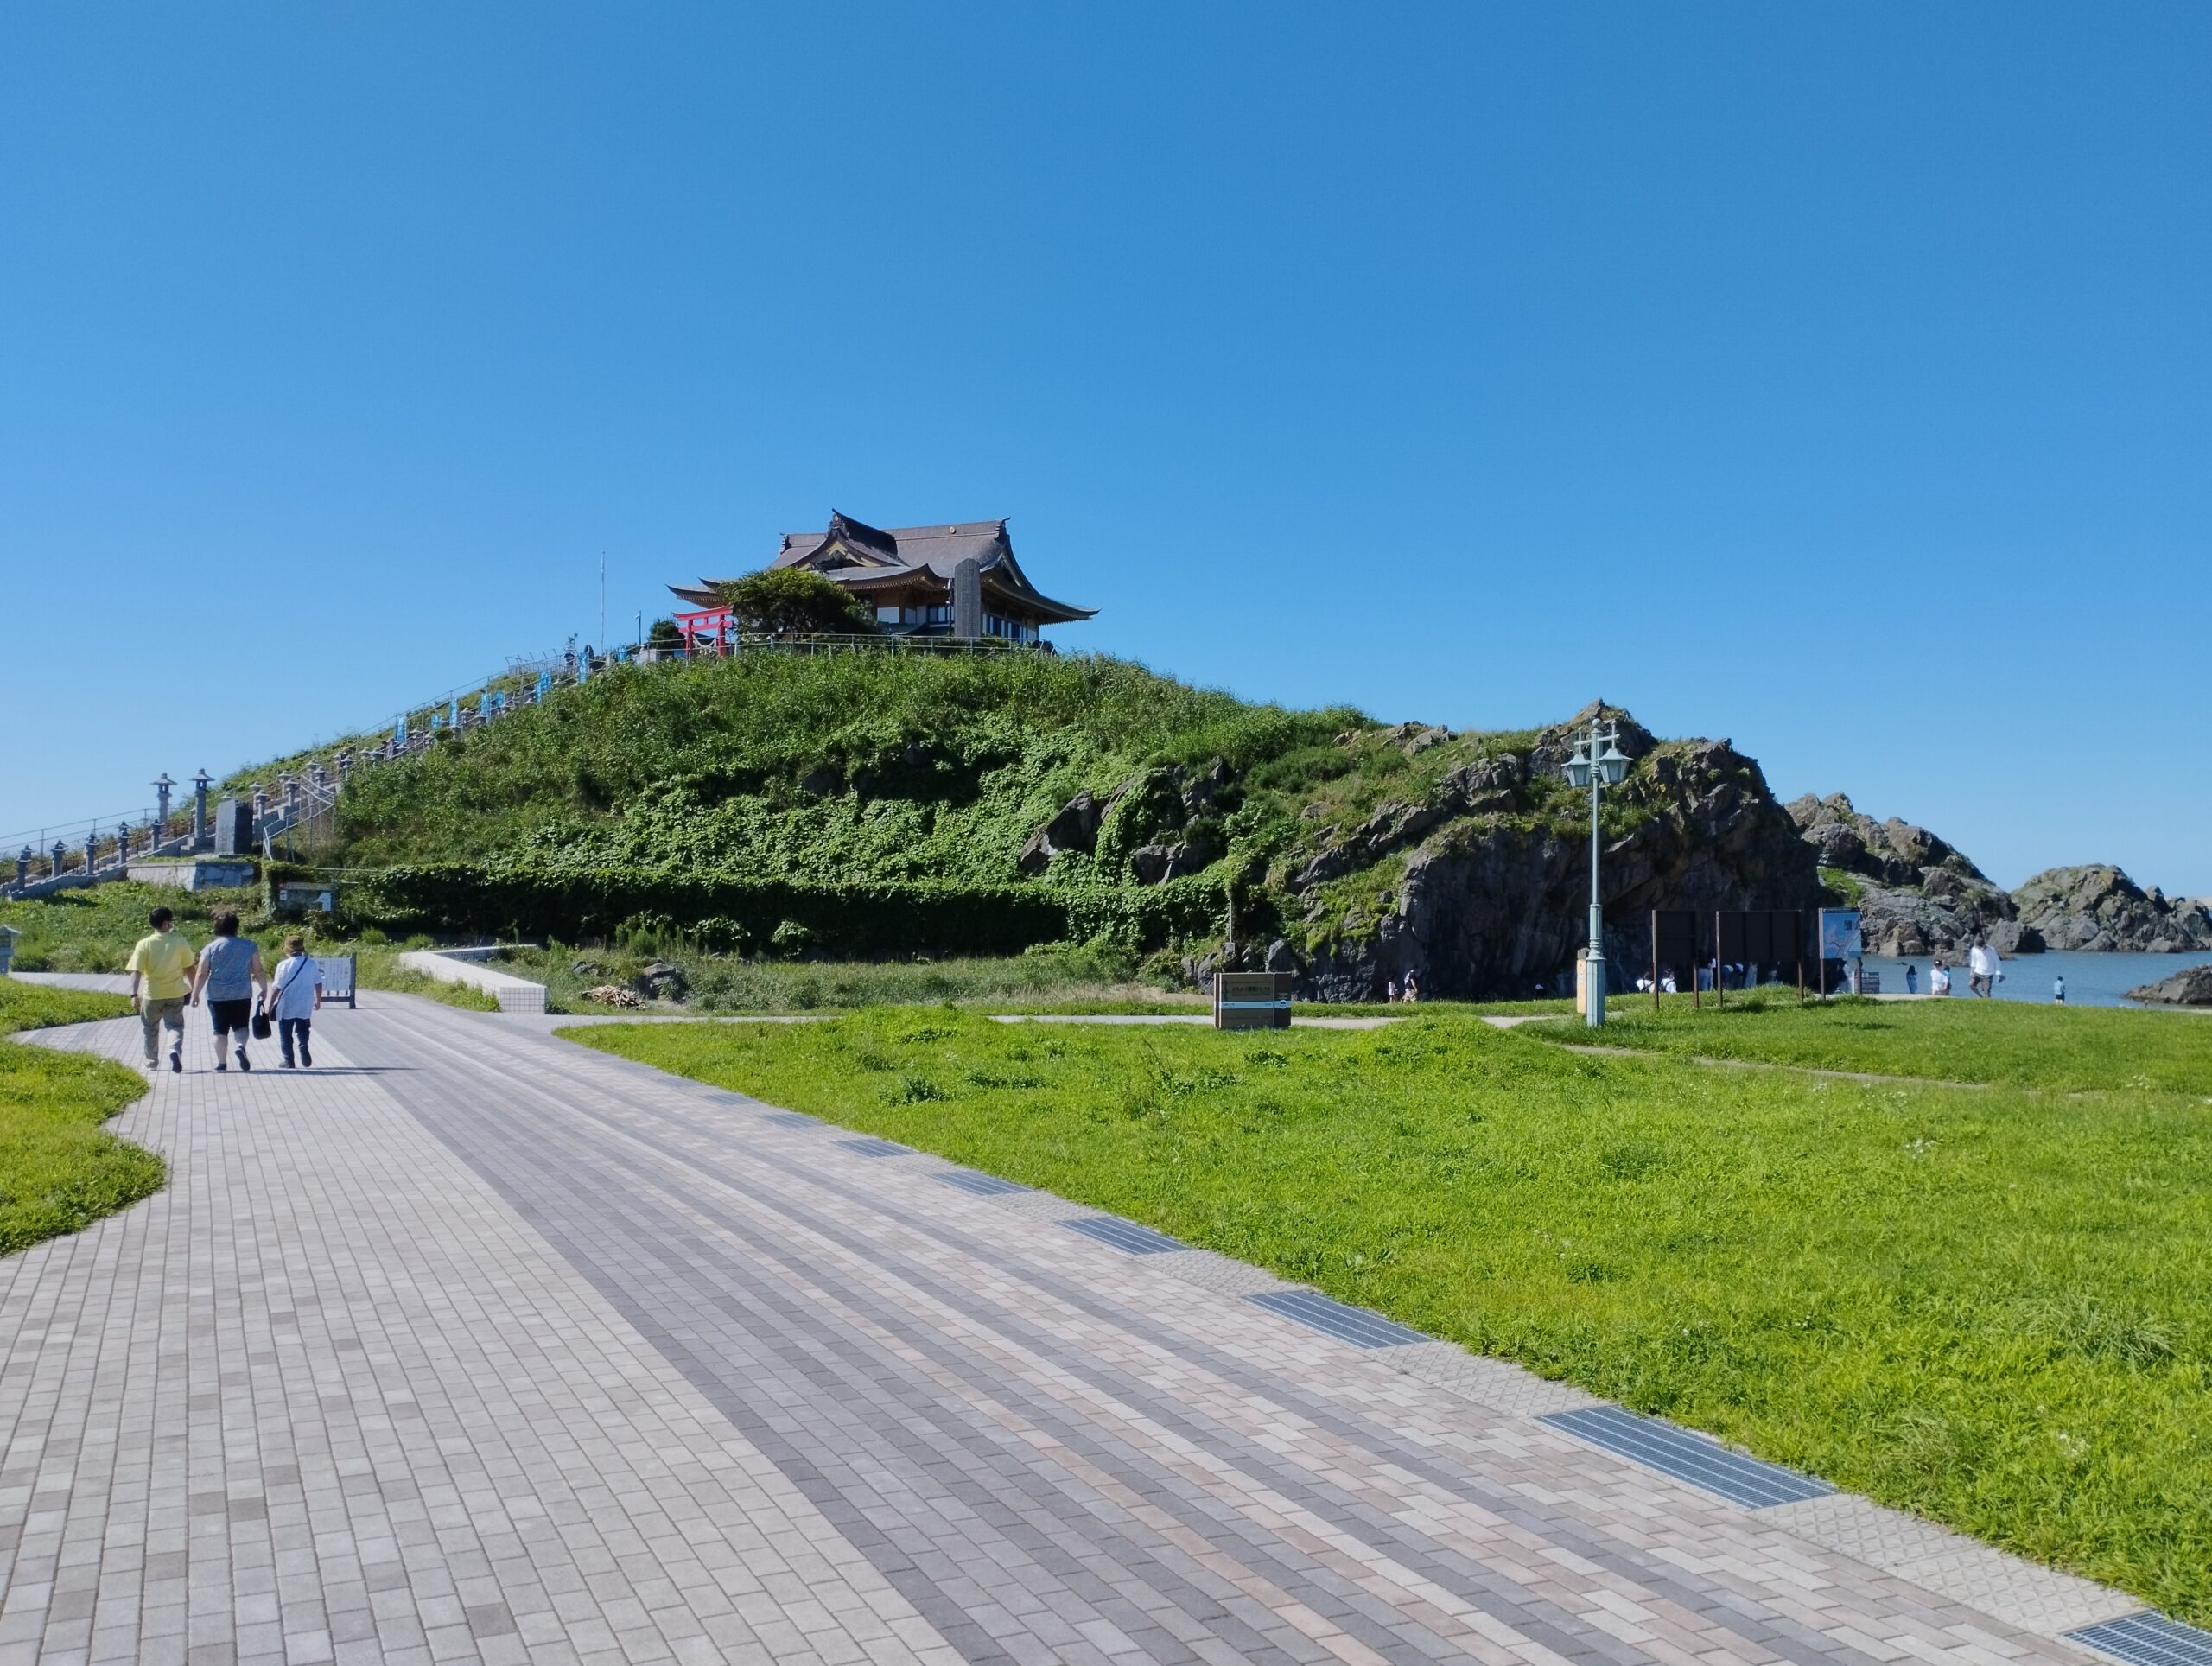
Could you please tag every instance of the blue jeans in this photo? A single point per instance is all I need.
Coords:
(286, 1029)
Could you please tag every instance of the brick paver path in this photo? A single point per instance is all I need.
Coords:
(473, 1344)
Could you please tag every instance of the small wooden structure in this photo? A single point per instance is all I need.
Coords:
(1251, 1001)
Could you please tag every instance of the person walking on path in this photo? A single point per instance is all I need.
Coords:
(230, 978)
(1982, 962)
(160, 964)
(1939, 977)
(295, 996)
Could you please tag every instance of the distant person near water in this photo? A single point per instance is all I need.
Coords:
(1911, 978)
(1987, 970)
(295, 997)
(230, 976)
(2058, 989)
(1939, 977)
(163, 963)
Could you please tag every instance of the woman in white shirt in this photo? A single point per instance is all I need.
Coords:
(295, 996)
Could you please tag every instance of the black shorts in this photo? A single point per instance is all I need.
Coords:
(231, 1014)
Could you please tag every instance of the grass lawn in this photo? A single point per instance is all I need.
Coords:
(92, 929)
(1993, 1307)
(2012, 1042)
(60, 1170)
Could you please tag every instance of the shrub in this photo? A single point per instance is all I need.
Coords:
(794, 600)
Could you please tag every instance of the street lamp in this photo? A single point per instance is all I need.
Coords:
(1598, 762)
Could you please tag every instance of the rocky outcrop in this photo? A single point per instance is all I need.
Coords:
(2100, 909)
(1074, 826)
(1493, 899)
(1161, 824)
(1919, 895)
(2190, 989)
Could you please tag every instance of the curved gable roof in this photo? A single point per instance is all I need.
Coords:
(877, 553)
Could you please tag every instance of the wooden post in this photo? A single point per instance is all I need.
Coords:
(1655, 960)
(1720, 984)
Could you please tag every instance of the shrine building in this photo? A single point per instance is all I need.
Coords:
(959, 582)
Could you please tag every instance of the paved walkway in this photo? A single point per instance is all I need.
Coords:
(472, 1344)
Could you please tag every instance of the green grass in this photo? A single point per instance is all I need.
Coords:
(2014, 1043)
(92, 929)
(1993, 1307)
(377, 967)
(1059, 978)
(60, 1170)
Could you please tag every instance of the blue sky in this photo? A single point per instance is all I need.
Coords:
(1834, 378)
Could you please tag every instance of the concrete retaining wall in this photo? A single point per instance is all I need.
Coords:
(516, 994)
(192, 875)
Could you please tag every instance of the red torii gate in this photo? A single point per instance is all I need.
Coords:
(714, 627)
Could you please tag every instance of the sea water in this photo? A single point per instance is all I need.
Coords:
(2091, 980)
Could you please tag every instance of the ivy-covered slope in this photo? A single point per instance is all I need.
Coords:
(817, 768)
(860, 801)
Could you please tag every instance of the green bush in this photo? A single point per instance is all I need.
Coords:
(862, 918)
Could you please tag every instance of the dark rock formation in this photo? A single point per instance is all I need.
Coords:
(1152, 863)
(658, 980)
(1162, 823)
(1918, 894)
(1073, 827)
(2012, 937)
(1495, 904)
(2099, 908)
(2190, 989)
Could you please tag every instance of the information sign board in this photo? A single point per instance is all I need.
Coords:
(338, 978)
(1251, 1001)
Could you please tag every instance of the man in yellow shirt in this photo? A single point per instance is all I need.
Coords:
(163, 964)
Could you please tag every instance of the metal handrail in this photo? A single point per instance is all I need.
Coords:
(309, 800)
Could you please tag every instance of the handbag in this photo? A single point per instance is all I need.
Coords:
(262, 1027)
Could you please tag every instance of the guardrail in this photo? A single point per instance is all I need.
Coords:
(49, 860)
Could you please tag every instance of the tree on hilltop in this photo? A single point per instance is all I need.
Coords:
(793, 601)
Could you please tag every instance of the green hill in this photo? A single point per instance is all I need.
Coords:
(878, 804)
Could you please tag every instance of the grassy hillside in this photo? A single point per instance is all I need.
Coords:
(807, 767)
(877, 804)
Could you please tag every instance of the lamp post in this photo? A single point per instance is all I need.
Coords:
(1598, 762)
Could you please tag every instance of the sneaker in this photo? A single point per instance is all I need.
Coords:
(219, 1065)
(176, 1062)
(306, 1063)
(245, 1063)
(287, 1064)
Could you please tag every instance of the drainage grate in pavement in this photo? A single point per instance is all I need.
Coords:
(1332, 1317)
(2148, 1639)
(1697, 1459)
(794, 1119)
(869, 1145)
(983, 1186)
(1124, 1235)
